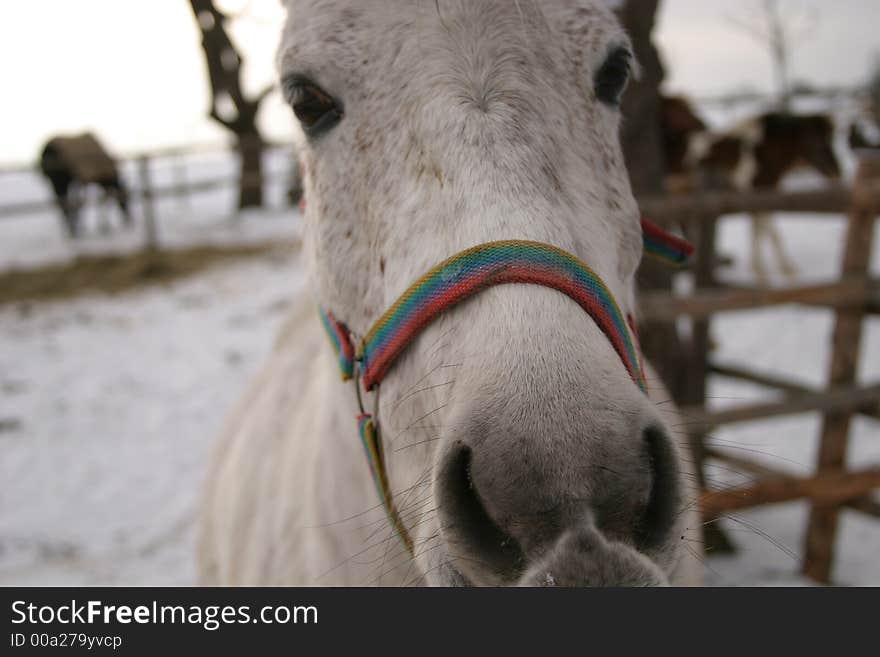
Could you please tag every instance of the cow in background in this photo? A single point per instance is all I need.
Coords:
(756, 154)
(680, 126)
(71, 163)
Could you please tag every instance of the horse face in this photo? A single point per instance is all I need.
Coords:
(523, 449)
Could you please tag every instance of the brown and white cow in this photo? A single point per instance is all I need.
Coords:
(756, 154)
(679, 126)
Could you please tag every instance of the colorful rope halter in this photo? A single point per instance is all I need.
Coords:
(459, 278)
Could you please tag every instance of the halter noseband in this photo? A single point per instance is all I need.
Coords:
(462, 276)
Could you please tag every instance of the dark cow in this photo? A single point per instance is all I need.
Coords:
(757, 154)
(71, 164)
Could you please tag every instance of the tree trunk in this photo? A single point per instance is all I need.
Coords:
(641, 137)
(643, 151)
(230, 107)
(250, 151)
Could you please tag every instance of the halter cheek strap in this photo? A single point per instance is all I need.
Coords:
(340, 339)
(462, 276)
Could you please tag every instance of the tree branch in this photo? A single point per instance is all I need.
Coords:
(224, 65)
(264, 93)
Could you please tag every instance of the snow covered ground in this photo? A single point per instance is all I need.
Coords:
(109, 405)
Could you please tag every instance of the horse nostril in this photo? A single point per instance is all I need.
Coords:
(664, 500)
(469, 527)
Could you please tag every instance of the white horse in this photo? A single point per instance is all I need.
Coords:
(517, 447)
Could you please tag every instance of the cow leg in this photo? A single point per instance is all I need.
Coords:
(103, 218)
(785, 262)
(71, 218)
(760, 221)
(71, 205)
(63, 187)
(120, 194)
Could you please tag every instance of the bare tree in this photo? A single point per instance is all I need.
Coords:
(643, 151)
(778, 29)
(230, 107)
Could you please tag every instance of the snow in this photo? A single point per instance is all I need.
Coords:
(117, 401)
(109, 404)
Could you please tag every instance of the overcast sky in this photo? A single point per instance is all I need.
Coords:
(132, 70)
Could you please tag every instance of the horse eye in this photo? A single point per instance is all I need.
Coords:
(612, 77)
(316, 110)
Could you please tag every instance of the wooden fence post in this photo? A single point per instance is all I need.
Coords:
(846, 344)
(698, 355)
(698, 368)
(181, 181)
(152, 233)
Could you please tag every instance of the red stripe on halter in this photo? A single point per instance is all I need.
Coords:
(652, 231)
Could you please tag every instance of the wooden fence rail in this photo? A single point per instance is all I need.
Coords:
(182, 186)
(705, 303)
(708, 206)
(863, 504)
(830, 487)
(851, 399)
(791, 389)
(173, 190)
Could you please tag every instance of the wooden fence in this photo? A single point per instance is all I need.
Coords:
(145, 191)
(852, 297)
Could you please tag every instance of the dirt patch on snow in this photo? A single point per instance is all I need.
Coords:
(114, 274)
